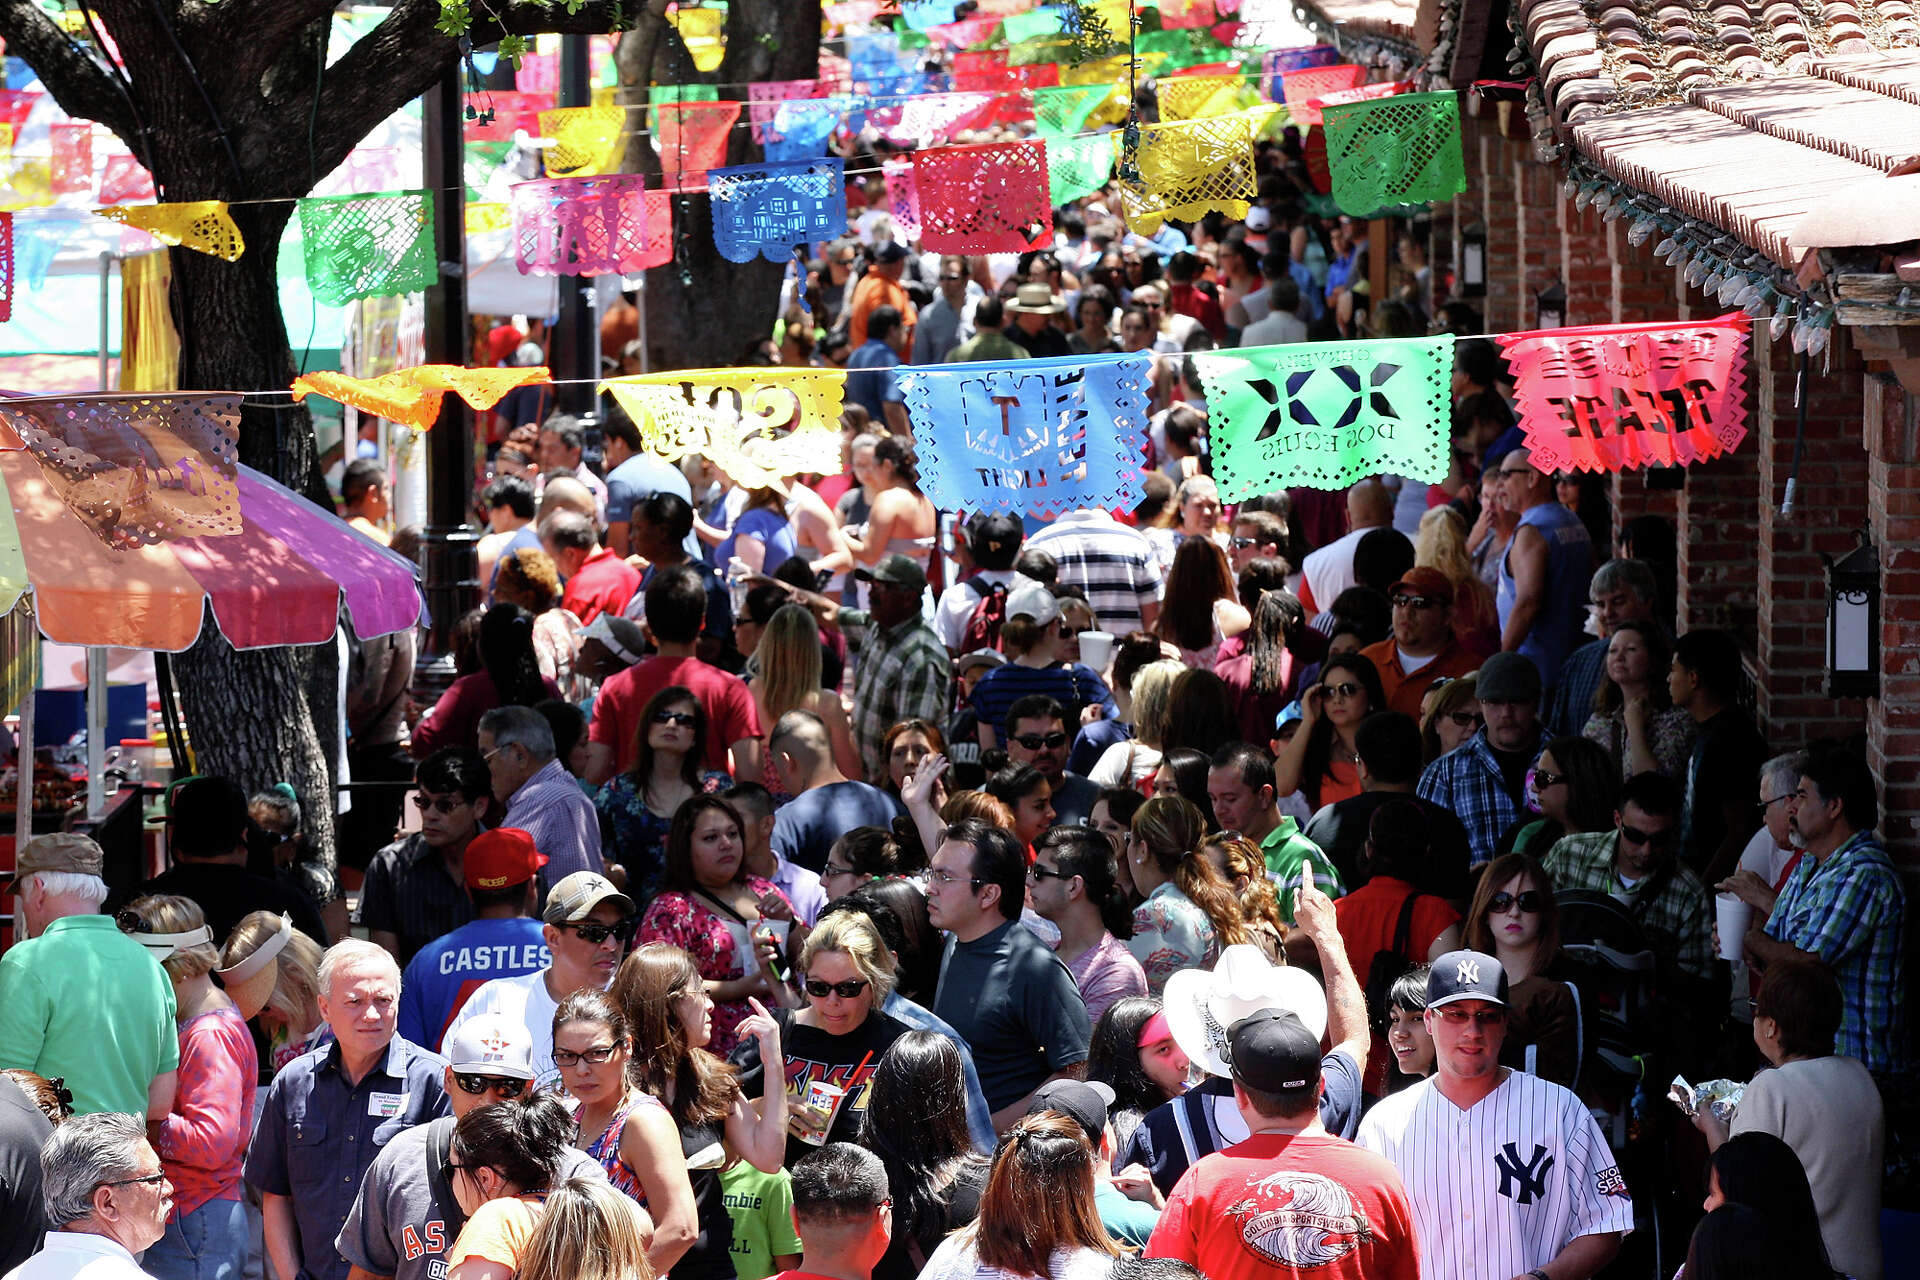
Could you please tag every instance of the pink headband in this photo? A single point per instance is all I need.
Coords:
(1155, 1031)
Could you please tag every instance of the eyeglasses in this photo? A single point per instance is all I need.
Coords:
(676, 717)
(1347, 689)
(1035, 741)
(593, 933)
(596, 1055)
(1037, 873)
(831, 870)
(845, 990)
(1466, 719)
(505, 1086)
(437, 804)
(1479, 1017)
(152, 1180)
(1528, 900)
(1515, 471)
(943, 879)
(1415, 602)
(1768, 804)
(1241, 544)
(1652, 839)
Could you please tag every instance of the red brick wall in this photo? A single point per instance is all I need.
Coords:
(1892, 423)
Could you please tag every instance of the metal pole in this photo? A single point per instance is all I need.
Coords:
(96, 733)
(640, 302)
(106, 296)
(576, 337)
(23, 785)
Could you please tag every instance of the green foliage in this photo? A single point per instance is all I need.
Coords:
(1092, 39)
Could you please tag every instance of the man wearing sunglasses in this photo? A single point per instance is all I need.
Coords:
(405, 1217)
(589, 923)
(1422, 648)
(1507, 1173)
(1037, 735)
(1638, 863)
(415, 890)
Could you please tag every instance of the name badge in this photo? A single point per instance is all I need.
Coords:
(386, 1105)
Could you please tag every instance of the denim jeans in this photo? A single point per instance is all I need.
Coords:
(208, 1244)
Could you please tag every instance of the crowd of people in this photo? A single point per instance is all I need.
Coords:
(797, 879)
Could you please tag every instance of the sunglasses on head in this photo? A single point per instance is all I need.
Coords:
(845, 990)
(593, 933)
(505, 1086)
(676, 717)
(1035, 741)
(1528, 900)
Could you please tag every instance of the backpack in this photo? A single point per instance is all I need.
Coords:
(983, 624)
(1389, 963)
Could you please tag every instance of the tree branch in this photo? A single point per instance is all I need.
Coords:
(267, 28)
(84, 89)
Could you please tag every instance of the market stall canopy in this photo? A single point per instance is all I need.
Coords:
(126, 516)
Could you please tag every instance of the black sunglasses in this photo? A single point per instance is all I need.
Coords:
(1346, 690)
(1035, 741)
(593, 933)
(676, 717)
(505, 1086)
(1529, 901)
(845, 990)
(1654, 839)
(1037, 873)
(1415, 602)
(439, 804)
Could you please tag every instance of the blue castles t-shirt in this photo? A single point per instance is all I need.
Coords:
(447, 970)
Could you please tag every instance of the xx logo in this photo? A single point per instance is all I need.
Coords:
(1523, 1181)
(1332, 397)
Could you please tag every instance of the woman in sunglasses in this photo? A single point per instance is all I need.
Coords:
(1449, 715)
(1513, 918)
(640, 803)
(837, 1039)
(620, 1125)
(1574, 786)
(501, 1163)
(1320, 761)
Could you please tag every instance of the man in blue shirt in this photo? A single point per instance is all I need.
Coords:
(825, 804)
(502, 941)
(633, 474)
(870, 382)
(330, 1111)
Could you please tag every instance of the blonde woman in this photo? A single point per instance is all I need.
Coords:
(839, 1036)
(529, 579)
(202, 1143)
(789, 680)
(588, 1232)
(291, 1016)
(1442, 544)
(1132, 763)
(1241, 864)
(1188, 913)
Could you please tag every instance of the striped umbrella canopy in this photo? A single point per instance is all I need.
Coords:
(127, 515)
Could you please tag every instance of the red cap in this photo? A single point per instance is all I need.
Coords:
(496, 859)
(1423, 580)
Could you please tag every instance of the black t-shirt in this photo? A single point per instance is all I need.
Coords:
(23, 1129)
(1340, 829)
(814, 1055)
(1048, 342)
(227, 894)
(1723, 767)
(1513, 767)
(710, 1257)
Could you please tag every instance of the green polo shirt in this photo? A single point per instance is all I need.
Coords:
(1285, 849)
(86, 1002)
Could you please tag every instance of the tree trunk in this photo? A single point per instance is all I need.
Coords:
(703, 311)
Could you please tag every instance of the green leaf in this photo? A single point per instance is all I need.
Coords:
(454, 18)
(512, 47)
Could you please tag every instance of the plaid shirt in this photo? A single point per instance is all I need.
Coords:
(1677, 922)
(903, 673)
(1580, 679)
(1468, 781)
(1850, 910)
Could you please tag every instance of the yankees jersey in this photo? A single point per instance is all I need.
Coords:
(1501, 1187)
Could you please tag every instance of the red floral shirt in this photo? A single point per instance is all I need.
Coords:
(713, 941)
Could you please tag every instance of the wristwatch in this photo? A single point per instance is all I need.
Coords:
(1539, 1273)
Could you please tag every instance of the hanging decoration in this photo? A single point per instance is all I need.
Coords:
(368, 246)
(1298, 87)
(903, 198)
(586, 140)
(757, 425)
(201, 225)
(124, 180)
(967, 32)
(137, 470)
(987, 198)
(580, 226)
(1038, 436)
(1399, 150)
(1328, 415)
(1619, 396)
(483, 217)
(6, 143)
(976, 62)
(1187, 169)
(1196, 97)
(1275, 62)
(38, 243)
(775, 208)
(412, 396)
(1078, 167)
(1112, 76)
(495, 115)
(659, 250)
(6, 267)
(1065, 110)
(766, 97)
(72, 163)
(880, 66)
(1311, 111)
(704, 31)
(847, 13)
(1031, 25)
(16, 105)
(925, 15)
(1176, 14)
(800, 130)
(691, 138)
(931, 119)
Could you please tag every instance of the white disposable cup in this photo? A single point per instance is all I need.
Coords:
(822, 1096)
(1733, 915)
(1096, 649)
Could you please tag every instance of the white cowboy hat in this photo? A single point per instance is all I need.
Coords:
(1202, 1005)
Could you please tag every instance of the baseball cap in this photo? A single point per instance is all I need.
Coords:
(1466, 975)
(577, 895)
(996, 532)
(978, 658)
(896, 570)
(1273, 1051)
(1084, 1101)
(1258, 218)
(1421, 580)
(621, 636)
(491, 1044)
(496, 859)
(889, 251)
(1508, 677)
(1034, 600)
(58, 851)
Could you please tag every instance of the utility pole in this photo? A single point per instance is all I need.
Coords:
(576, 338)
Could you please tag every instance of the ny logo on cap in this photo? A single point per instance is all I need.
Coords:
(1469, 972)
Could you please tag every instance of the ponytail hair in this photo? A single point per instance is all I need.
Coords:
(1172, 828)
(1080, 851)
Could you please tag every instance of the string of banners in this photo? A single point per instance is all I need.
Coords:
(1045, 436)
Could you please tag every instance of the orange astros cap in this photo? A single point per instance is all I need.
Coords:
(496, 859)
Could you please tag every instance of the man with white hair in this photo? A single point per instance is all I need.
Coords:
(107, 1200)
(79, 998)
(540, 797)
(331, 1110)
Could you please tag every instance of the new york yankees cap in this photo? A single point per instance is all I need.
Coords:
(1466, 975)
